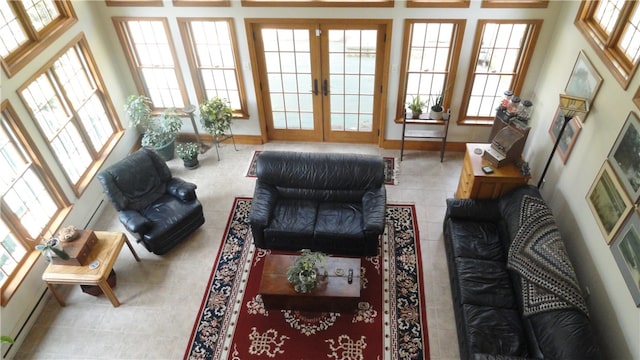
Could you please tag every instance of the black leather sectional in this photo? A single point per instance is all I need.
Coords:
(329, 202)
(498, 314)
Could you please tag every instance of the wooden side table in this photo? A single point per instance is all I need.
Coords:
(475, 184)
(336, 294)
(105, 251)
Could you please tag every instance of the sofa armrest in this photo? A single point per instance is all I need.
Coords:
(264, 201)
(134, 222)
(473, 209)
(181, 189)
(374, 203)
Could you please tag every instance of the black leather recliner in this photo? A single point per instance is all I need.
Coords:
(159, 209)
(327, 202)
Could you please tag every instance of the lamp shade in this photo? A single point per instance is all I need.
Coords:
(573, 106)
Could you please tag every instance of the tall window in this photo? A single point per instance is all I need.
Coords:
(28, 26)
(211, 50)
(68, 102)
(612, 27)
(430, 60)
(31, 202)
(152, 59)
(502, 50)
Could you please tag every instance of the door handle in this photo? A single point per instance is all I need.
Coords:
(315, 86)
(325, 87)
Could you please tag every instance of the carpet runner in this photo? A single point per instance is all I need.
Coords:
(390, 170)
(389, 323)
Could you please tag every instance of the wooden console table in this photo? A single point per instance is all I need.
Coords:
(106, 251)
(475, 184)
(335, 294)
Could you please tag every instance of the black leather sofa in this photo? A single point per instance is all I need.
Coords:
(510, 299)
(157, 208)
(329, 202)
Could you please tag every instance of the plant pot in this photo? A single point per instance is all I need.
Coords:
(166, 151)
(415, 115)
(307, 281)
(435, 115)
(191, 163)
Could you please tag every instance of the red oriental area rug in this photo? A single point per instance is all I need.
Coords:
(390, 169)
(389, 322)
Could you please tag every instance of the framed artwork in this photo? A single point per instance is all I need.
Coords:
(625, 157)
(569, 136)
(626, 252)
(585, 80)
(608, 202)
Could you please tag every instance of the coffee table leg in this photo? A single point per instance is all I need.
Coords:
(135, 255)
(106, 289)
(55, 294)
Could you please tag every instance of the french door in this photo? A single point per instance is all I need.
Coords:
(320, 81)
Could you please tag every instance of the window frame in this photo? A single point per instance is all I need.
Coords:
(37, 41)
(120, 23)
(185, 32)
(606, 46)
(438, 3)
(519, 75)
(98, 156)
(220, 3)
(455, 47)
(42, 170)
(514, 3)
(317, 3)
(149, 3)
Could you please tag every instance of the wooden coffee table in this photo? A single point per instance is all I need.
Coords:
(335, 294)
(105, 251)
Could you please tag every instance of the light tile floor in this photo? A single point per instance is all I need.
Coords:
(161, 295)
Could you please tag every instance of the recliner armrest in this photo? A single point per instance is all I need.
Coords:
(134, 222)
(264, 201)
(374, 203)
(181, 189)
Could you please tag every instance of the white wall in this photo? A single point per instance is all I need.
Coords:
(612, 308)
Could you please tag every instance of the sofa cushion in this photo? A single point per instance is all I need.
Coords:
(565, 334)
(478, 240)
(292, 217)
(484, 282)
(494, 331)
(339, 220)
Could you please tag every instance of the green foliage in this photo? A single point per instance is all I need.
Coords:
(6, 340)
(303, 273)
(49, 247)
(416, 105)
(216, 116)
(437, 104)
(188, 150)
(159, 130)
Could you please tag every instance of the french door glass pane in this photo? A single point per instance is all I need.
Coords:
(352, 63)
(288, 64)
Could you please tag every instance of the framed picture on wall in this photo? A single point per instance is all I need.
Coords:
(625, 156)
(608, 202)
(584, 80)
(626, 252)
(569, 136)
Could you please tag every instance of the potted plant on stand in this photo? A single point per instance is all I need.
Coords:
(436, 108)
(416, 106)
(160, 132)
(216, 116)
(188, 152)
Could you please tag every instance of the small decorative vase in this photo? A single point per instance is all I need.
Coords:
(435, 115)
(415, 115)
(191, 163)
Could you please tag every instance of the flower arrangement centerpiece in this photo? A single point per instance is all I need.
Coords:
(303, 273)
(216, 116)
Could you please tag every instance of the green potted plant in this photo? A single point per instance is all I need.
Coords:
(303, 273)
(188, 152)
(160, 132)
(436, 108)
(6, 340)
(416, 105)
(52, 247)
(216, 116)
